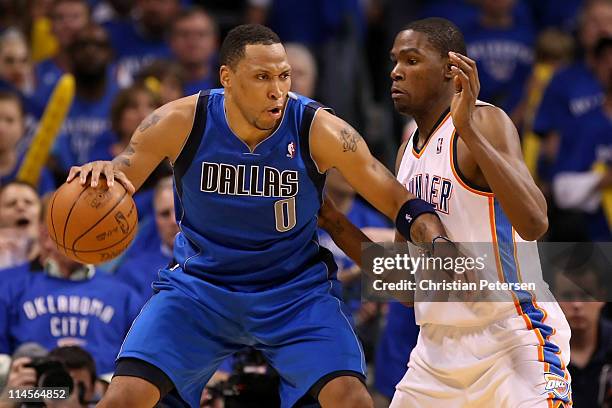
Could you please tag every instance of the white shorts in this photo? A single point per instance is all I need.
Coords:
(518, 362)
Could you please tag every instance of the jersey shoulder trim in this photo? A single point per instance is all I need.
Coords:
(465, 183)
(318, 178)
(193, 141)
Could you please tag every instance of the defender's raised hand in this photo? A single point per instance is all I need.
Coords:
(467, 87)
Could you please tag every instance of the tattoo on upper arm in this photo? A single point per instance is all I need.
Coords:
(149, 121)
(349, 138)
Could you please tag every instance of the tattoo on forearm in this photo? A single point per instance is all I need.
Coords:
(350, 138)
(149, 121)
(124, 158)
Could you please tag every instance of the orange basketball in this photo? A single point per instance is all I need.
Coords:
(92, 225)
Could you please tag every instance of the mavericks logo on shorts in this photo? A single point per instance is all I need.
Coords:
(557, 385)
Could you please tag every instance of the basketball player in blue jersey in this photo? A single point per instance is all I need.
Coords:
(465, 159)
(249, 167)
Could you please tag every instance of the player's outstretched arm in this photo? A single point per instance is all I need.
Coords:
(493, 145)
(161, 135)
(334, 143)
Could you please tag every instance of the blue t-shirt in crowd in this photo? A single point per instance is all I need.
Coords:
(141, 269)
(133, 50)
(554, 13)
(572, 92)
(87, 121)
(47, 74)
(504, 57)
(94, 313)
(592, 136)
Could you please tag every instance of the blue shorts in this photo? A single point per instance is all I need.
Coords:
(190, 326)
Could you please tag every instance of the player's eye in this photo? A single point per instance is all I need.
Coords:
(285, 75)
(262, 77)
(412, 61)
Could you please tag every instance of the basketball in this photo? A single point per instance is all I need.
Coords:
(92, 225)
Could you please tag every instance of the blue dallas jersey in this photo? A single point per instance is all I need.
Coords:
(94, 313)
(248, 219)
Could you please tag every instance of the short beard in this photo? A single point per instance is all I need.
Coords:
(90, 79)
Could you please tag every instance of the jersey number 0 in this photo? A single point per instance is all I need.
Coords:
(284, 213)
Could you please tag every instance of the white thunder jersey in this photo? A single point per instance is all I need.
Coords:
(506, 353)
(469, 215)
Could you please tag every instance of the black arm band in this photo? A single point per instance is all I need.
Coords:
(409, 212)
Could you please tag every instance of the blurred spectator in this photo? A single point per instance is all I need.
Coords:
(460, 12)
(140, 269)
(573, 90)
(303, 69)
(560, 14)
(591, 332)
(553, 50)
(20, 376)
(105, 11)
(311, 23)
(12, 130)
(68, 17)
(137, 42)
(15, 64)
(20, 212)
(165, 78)
(82, 368)
(88, 118)
(397, 340)
(194, 41)
(502, 46)
(67, 303)
(579, 185)
(334, 32)
(130, 107)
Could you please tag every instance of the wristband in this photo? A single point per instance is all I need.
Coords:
(409, 212)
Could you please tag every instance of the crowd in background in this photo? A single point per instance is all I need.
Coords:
(547, 63)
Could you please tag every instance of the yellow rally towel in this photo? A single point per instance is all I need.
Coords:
(48, 128)
(606, 194)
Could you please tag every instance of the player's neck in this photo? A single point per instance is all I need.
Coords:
(427, 119)
(245, 131)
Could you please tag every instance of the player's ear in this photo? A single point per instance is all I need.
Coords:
(224, 76)
(447, 70)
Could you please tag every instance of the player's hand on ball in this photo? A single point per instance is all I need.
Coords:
(467, 87)
(107, 168)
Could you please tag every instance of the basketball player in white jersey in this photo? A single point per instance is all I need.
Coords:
(465, 159)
